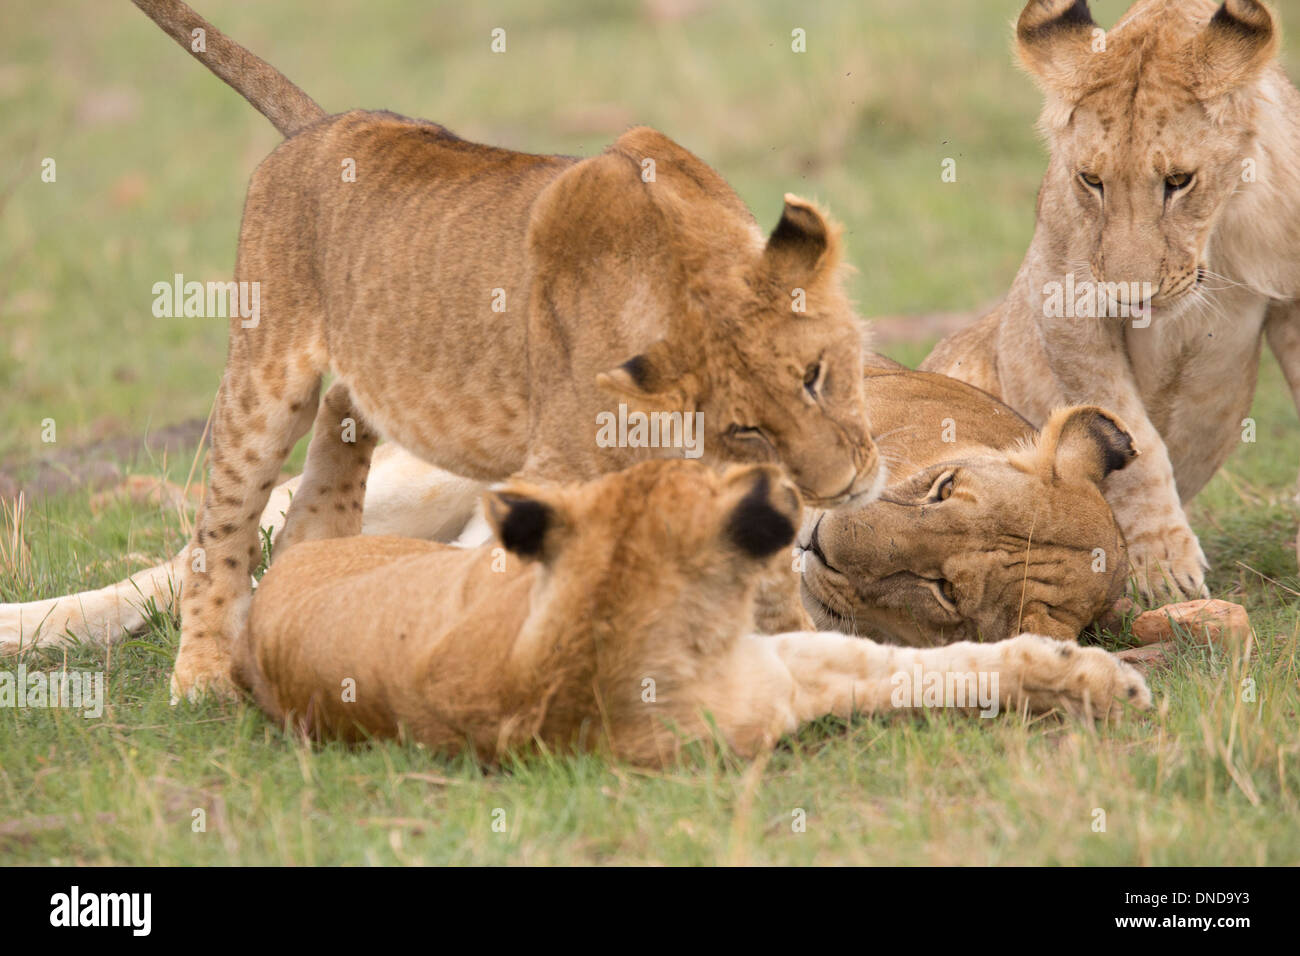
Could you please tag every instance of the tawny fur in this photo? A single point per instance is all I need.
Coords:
(1024, 547)
(987, 528)
(625, 629)
(1181, 88)
(481, 306)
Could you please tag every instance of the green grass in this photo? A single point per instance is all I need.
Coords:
(152, 157)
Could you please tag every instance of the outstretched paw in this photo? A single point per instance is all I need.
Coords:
(1089, 682)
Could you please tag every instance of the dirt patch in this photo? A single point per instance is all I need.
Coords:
(95, 465)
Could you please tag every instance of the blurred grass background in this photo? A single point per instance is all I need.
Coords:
(153, 154)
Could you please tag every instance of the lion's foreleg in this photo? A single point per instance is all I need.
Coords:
(105, 615)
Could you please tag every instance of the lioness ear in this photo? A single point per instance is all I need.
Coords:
(651, 377)
(1085, 442)
(765, 514)
(1239, 41)
(524, 518)
(804, 248)
(1054, 41)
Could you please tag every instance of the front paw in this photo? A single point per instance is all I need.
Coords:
(1046, 674)
(1168, 565)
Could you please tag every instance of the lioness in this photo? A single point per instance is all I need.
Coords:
(1172, 190)
(482, 306)
(620, 619)
(986, 530)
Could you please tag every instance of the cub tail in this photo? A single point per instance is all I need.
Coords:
(270, 91)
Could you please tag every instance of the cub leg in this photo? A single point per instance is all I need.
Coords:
(778, 682)
(259, 414)
(328, 503)
(1090, 365)
(772, 684)
(834, 674)
(1282, 329)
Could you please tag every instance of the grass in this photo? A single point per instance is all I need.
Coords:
(152, 156)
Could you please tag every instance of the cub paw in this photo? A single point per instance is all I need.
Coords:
(1168, 565)
(200, 671)
(1083, 681)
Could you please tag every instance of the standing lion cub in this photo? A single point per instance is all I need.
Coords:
(620, 619)
(1166, 249)
(481, 307)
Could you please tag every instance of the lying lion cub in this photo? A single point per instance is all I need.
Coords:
(619, 619)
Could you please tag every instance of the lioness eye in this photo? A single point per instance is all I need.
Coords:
(943, 592)
(1177, 181)
(745, 433)
(941, 490)
(1091, 181)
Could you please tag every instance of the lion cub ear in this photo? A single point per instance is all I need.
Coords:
(526, 519)
(1085, 442)
(763, 510)
(1054, 41)
(652, 378)
(1239, 41)
(804, 248)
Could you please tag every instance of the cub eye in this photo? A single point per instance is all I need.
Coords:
(1177, 181)
(1091, 181)
(941, 490)
(812, 378)
(746, 433)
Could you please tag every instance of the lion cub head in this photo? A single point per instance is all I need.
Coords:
(750, 336)
(979, 548)
(667, 550)
(1151, 129)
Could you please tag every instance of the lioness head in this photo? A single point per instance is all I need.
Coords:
(753, 333)
(1150, 128)
(670, 544)
(979, 548)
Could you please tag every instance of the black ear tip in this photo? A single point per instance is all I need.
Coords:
(1115, 442)
(638, 370)
(757, 528)
(524, 526)
(1045, 17)
(799, 225)
(1248, 18)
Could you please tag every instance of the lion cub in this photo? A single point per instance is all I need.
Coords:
(616, 616)
(494, 311)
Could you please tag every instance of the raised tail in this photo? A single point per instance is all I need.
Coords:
(269, 90)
